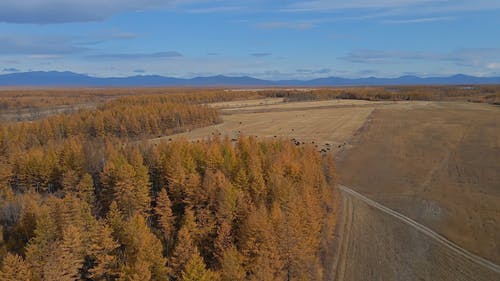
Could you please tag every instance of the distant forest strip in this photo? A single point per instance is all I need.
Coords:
(19, 104)
(482, 94)
(131, 118)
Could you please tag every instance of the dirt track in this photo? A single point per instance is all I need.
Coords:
(379, 244)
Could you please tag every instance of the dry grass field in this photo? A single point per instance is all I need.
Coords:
(328, 124)
(438, 165)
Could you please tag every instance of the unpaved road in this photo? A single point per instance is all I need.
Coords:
(377, 243)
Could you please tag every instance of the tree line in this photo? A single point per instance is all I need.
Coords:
(129, 118)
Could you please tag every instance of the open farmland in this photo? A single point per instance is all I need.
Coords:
(438, 165)
(328, 124)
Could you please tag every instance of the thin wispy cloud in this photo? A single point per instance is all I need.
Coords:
(62, 11)
(10, 69)
(40, 45)
(471, 57)
(427, 5)
(134, 56)
(313, 71)
(123, 35)
(286, 25)
(260, 55)
(417, 20)
(221, 9)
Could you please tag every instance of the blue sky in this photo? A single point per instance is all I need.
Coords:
(280, 39)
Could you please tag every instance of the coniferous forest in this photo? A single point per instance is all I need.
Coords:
(85, 196)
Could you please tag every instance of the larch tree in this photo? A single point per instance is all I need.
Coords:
(143, 252)
(128, 186)
(185, 245)
(165, 218)
(39, 247)
(85, 189)
(115, 220)
(14, 268)
(102, 252)
(232, 265)
(66, 259)
(195, 269)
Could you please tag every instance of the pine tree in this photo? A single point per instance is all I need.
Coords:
(14, 268)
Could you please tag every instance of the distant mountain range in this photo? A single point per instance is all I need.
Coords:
(71, 79)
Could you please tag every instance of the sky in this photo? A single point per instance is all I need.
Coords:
(268, 39)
